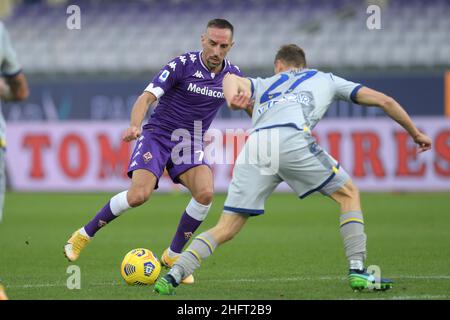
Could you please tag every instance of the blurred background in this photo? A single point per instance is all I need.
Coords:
(83, 82)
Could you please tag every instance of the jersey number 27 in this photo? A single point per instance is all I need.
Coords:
(269, 95)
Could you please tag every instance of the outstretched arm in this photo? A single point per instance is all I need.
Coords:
(237, 92)
(394, 110)
(138, 113)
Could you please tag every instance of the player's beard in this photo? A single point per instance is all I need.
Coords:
(212, 64)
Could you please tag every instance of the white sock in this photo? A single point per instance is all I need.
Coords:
(83, 232)
(172, 254)
(119, 203)
(197, 210)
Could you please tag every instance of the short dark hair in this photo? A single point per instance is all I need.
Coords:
(221, 24)
(292, 55)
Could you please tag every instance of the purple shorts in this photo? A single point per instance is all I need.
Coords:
(155, 151)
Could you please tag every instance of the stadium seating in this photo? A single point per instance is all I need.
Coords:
(143, 35)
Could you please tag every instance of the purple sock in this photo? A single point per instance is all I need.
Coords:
(101, 219)
(186, 228)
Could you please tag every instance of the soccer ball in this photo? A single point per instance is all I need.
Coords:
(140, 267)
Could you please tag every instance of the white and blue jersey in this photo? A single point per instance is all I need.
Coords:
(287, 106)
(297, 98)
(9, 67)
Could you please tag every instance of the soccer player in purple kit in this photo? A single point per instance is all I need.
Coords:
(188, 89)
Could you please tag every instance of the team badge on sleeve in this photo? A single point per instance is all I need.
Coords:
(164, 75)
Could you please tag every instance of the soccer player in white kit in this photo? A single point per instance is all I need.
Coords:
(13, 87)
(286, 108)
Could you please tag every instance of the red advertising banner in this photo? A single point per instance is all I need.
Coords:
(90, 156)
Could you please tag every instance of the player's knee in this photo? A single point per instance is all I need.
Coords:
(348, 197)
(348, 191)
(137, 197)
(204, 196)
(352, 191)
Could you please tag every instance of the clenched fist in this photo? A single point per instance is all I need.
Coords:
(132, 133)
(423, 141)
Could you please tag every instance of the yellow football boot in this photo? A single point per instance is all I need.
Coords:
(74, 245)
(3, 295)
(168, 262)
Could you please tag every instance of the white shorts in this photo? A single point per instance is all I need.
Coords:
(266, 161)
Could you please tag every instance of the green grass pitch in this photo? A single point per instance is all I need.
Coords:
(293, 251)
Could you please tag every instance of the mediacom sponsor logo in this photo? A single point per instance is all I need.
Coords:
(205, 91)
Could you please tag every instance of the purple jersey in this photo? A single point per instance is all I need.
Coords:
(187, 91)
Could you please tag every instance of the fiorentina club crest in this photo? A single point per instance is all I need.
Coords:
(147, 156)
(187, 235)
